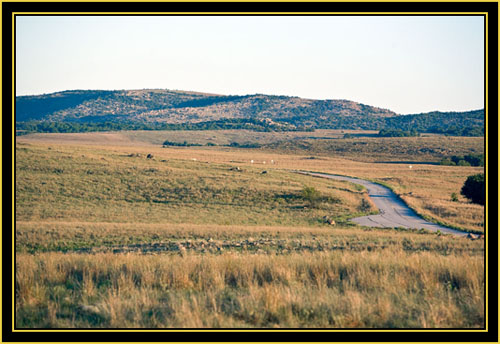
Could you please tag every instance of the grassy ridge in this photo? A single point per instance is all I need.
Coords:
(106, 186)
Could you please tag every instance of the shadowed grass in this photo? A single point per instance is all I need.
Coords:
(350, 289)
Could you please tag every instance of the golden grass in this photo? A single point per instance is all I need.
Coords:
(431, 148)
(94, 237)
(157, 137)
(108, 238)
(426, 188)
(390, 289)
(119, 186)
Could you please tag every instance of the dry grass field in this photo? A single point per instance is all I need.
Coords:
(106, 237)
(426, 188)
(344, 289)
(424, 149)
(218, 137)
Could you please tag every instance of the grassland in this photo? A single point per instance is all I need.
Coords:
(106, 237)
(427, 149)
(362, 146)
(391, 289)
(218, 137)
(106, 186)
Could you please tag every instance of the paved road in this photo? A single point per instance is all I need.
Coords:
(393, 211)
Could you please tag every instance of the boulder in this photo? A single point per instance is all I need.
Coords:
(472, 236)
(328, 220)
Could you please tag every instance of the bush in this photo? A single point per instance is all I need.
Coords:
(475, 159)
(365, 206)
(474, 189)
(454, 197)
(311, 195)
(179, 144)
(463, 163)
(468, 160)
(447, 162)
(397, 133)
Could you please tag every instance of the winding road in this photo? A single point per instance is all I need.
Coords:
(393, 211)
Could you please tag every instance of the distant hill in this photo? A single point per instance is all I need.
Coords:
(81, 110)
(180, 107)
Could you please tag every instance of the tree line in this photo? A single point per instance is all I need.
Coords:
(78, 127)
(211, 144)
(467, 160)
(398, 133)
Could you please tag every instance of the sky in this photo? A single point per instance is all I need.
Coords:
(408, 64)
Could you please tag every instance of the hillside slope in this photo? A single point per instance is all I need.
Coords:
(167, 110)
(180, 106)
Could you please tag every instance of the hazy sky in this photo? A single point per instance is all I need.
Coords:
(408, 64)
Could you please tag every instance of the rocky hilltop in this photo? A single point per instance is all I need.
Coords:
(180, 107)
(159, 109)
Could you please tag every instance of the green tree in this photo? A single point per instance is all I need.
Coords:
(474, 189)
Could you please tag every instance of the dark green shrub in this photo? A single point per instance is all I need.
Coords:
(474, 189)
(463, 163)
(475, 159)
(447, 162)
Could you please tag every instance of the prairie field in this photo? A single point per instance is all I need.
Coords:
(204, 237)
(218, 137)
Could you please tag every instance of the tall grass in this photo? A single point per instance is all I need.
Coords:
(391, 289)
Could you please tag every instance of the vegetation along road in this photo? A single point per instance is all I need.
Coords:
(393, 211)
